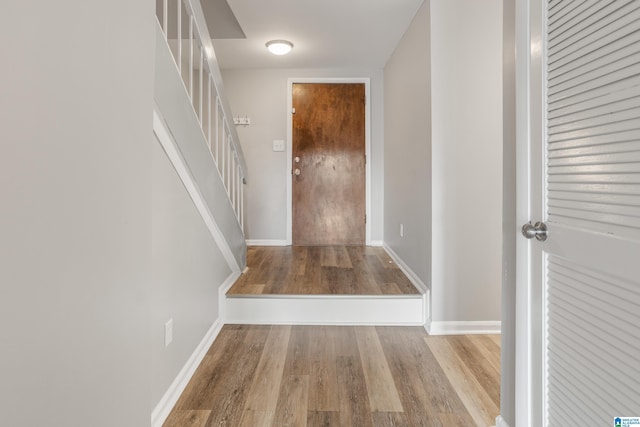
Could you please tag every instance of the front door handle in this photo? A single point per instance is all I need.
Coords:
(537, 230)
(296, 171)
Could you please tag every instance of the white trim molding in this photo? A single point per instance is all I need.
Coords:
(500, 422)
(170, 147)
(170, 397)
(367, 144)
(168, 401)
(442, 328)
(266, 242)
(326, 310)
(417, 282)
(463, 327)
(413, 277)
(378, 243)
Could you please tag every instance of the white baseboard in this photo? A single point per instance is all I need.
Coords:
(413, 277)
(500, 422)
(442, 328)
(326, 310)
(463, 328)
(168, 401)
(275, 242)
(266, 242)
(417, 282)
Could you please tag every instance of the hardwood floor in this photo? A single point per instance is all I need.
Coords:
(338, 375)
(321, 270)
(342, 376)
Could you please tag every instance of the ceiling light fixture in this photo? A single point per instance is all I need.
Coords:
(279, 47)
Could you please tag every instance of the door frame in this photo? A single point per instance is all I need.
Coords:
(367, 145)
(530, 169)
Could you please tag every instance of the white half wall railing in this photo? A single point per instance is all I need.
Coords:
(186, 33)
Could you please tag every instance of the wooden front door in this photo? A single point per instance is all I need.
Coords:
(328, 164)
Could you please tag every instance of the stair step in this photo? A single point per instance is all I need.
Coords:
(326, 309)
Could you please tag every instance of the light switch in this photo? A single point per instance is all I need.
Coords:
(278, 145)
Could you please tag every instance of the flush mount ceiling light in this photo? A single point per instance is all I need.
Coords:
(279, 47)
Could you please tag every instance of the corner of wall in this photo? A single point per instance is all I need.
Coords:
(500, 422)
(407, 152)
(163, 408)
(415, 279)
(467, 162)
(464, 327)
(165, 405)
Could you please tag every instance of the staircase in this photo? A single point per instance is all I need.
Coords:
(205, 141)
(196, 131)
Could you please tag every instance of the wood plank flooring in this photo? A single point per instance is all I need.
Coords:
(321, 270)
(342, 376)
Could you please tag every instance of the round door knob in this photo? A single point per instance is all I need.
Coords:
(537, 230)
(297, 159)
(296, 171)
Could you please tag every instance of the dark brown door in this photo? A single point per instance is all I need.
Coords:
(328, 164)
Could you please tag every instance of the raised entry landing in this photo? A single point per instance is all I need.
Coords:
(321, 270)
(323, 285)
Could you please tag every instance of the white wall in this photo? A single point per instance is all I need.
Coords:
(100, 242)
(466, 81)
(192, 260)
(443, 156)
(75, 228)
(407, 147)
(187, 270)
(261, 95)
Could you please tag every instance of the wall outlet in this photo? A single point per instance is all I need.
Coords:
(168, 332)
(278, 145)
(401, 230)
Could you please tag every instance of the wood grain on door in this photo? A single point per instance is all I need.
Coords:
(328, 164)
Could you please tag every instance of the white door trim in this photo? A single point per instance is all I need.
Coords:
(367, 145)
(529, 181)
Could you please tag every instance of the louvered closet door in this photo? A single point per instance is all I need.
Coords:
(592, 195)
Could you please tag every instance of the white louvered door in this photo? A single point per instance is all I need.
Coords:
(588, 182)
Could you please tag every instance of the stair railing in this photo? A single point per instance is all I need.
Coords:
(185, 30)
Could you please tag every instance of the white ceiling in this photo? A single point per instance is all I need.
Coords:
(325, 33)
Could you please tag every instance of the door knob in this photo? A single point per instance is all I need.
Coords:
(537, 230)
(297, 159)
(296, 171)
